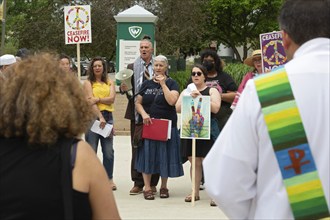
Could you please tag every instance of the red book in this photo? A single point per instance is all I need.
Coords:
(159, 130)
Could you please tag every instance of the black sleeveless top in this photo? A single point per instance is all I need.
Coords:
(202, 146)
(30, 183)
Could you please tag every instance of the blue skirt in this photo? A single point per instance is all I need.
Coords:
(161, 157)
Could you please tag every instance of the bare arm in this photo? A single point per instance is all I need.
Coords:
(110, 99)
(89, 176)
(228, 97)
(140, 109)
(215, 100)
(171, 96)
(93, 102)
(178, 103)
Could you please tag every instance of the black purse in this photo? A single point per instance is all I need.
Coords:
(137, 136)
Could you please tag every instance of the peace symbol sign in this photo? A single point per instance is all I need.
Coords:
(276, 58)
(81, 18)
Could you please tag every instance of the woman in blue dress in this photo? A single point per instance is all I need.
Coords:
(157, 99)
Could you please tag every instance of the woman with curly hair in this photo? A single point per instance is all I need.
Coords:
(100, 93)
(45, 171)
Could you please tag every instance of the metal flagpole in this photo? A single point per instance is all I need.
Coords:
(78, 61)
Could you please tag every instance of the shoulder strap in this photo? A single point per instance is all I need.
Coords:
(290, 145)
(74, 152)
(66, 178)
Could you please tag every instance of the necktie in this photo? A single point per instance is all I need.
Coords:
(146, 71)
(138, 86)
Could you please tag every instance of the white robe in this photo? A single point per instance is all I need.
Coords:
(241, 171)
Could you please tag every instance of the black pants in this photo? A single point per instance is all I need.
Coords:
(136, 176)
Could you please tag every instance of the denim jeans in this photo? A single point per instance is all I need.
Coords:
(106, 145)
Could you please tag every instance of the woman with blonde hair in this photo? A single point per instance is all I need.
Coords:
(45, 171)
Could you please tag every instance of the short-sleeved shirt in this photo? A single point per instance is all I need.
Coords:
(159, 108)
(102, 90)
(226, 82)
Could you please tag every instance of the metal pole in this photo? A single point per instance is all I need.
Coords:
(3, 28)
(78, 61)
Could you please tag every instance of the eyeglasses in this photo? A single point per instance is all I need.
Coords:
(196, 73)
(257, 61)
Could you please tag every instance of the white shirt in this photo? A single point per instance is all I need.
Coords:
(241, 171)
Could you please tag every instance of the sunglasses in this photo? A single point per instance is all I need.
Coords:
(196, 73)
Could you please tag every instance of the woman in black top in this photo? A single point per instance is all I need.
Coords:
(198, 77)
(45, 173)
(217, 78)
(157, 99)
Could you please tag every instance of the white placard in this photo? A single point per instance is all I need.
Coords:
(77, 24)
(129, 50)
(105, 132)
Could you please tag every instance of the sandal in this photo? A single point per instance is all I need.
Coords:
(163, 193)
(188, 198)
(148, 195)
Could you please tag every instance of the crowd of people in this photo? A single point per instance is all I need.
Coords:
(45, 111)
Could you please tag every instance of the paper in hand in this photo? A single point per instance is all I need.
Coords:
(191, 87)
(105, 132)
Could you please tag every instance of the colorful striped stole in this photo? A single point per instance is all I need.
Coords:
(291, 147)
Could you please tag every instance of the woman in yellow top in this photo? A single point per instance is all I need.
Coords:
(100, 92)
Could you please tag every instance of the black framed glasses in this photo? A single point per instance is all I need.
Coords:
(196, 73)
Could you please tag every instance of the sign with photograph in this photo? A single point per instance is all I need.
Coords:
(195, 117)
(273, 54)
(77, 24)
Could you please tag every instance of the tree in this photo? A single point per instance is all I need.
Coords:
(239, 23)
(180, 27)
(183, 26)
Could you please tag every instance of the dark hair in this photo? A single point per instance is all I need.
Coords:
(23, 53)
(202, 68)
(304, 20)
(217, 61)
(64, 56)
(146, 37)
(91, 76)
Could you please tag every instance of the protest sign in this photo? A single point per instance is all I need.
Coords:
(273, 54)
(195, 117)
(77, 24)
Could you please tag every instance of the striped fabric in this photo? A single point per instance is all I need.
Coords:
(291, 147)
